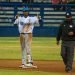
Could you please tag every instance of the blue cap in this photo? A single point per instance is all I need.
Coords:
(25, 9)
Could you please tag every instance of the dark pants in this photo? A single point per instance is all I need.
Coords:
(67, 53)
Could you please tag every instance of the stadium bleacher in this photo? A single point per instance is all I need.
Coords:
(51, 18)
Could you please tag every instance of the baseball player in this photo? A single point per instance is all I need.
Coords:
(25, 25)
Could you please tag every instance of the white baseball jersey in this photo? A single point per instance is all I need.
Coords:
(21, 21)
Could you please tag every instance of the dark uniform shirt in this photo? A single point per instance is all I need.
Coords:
(64, 29)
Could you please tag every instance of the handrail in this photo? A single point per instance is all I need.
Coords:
(15, 5)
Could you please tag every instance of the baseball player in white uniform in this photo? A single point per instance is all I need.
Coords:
(25, 26)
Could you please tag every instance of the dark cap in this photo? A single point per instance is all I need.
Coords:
(68, 14)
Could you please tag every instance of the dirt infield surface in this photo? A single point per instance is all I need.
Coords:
(46, 66)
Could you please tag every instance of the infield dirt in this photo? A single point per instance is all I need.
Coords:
(46, 66)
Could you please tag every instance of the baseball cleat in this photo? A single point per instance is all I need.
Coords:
(30, 66)
(23, 66)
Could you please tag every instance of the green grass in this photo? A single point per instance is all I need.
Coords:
(43, 48)
(22, 72)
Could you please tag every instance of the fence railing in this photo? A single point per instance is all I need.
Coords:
(50, 18)
(45, 10)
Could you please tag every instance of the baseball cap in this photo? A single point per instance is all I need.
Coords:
(68, 14)
(25, 9)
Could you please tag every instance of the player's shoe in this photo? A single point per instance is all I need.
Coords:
(30, 65)
(68, 70)
(30, 62)
(23, 66)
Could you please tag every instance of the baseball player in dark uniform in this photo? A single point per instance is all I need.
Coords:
(66, 33)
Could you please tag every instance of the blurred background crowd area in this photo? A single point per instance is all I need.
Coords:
(45, 1)
(51, 13)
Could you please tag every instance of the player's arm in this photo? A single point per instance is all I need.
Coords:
(59, 35)
(16, 16)
(16, 20)
(74, 29)
(38, 19)
(35, 20)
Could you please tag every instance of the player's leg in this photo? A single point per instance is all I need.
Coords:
(28, 39)
(70, 56)
(63, 54)
(29, 49)
(22, 42)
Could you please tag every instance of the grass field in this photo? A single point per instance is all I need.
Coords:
(19, 72)
(43, 48)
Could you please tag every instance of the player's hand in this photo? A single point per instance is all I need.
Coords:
(16, 16)
(57, 42)
(39, 17)
(71, 33)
